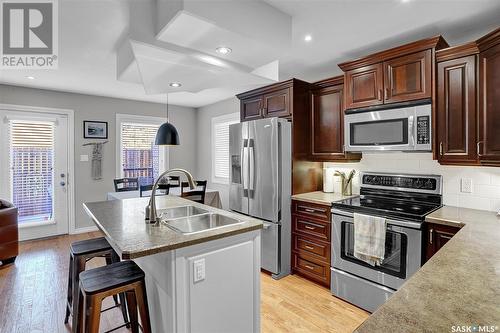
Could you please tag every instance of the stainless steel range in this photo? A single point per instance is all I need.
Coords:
(404, 200)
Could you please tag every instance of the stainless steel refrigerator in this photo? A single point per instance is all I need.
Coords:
(260, 185)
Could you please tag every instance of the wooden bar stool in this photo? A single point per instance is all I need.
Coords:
(99, 283)
(80, 253)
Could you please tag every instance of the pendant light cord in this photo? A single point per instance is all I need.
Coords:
(168, 117)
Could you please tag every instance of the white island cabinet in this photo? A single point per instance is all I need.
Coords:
(207, 282)
(208, 287)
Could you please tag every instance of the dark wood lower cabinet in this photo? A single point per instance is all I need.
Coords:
(436, 236)
(311, 246)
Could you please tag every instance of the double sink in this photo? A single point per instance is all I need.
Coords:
(191, 219)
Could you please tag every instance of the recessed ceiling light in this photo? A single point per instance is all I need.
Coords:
(30, 77)
(175, 84)
(308, 38)
(405, 1)
(223, 50)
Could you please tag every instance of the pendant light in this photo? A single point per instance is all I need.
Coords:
(167, 133)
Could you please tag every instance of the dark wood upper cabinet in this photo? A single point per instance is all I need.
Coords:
(251, 108)
(364, 86)
(456, 109)
(277, 103)
(408, 77)
(489, 106)
(327, 122)
(400, 74)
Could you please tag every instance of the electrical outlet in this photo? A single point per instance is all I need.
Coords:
(466, 185)
(199, 270)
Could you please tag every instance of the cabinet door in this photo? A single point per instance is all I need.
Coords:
(363, 86)
(437, 236)
(489, 97)
(277, 103)
(251, 108)
(327, 122)
(456, 110)
(408, 77)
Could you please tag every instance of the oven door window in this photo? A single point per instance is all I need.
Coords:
(395, 251)
(379, 133)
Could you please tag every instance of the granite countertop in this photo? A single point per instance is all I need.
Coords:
(459, 285)
(122, 222)
(320, 197)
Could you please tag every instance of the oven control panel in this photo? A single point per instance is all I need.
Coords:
(423, 130)
(428, 183)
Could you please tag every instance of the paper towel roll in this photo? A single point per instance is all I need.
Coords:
(337, 184)
(328, 180)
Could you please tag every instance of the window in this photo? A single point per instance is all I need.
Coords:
(139, 157)
(32, 163)
(220, 146)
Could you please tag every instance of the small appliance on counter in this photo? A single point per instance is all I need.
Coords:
(403, 200)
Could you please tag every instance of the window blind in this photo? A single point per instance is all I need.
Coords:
(31, 160)
(220, 155)
(140, 156)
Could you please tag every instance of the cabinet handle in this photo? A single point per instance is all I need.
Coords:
(380, 94)
(431, 231)
(309, 247)
(386, 93)
(309, 267)
(478, 149)
(309, 227)
(309, 210)
(441, 148)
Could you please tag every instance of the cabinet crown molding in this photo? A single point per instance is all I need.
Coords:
(331, 81)
(491, 39)
(437, 42)
(458, 51)
(273, 87)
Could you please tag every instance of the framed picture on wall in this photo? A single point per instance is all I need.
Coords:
(95, 129)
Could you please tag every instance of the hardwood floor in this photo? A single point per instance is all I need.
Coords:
(33, 296)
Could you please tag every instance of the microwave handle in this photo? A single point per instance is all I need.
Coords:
(412, 131)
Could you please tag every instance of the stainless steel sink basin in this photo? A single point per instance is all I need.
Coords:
(182, 211)
(199, 223)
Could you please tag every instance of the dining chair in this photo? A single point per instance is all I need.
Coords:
(126, 184)
(174, 181)
(196, 194)
(164, 189)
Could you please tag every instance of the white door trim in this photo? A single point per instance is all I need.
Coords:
(71, 150)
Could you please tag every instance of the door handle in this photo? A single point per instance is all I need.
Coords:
(478, 149)
(431, 231)
(441, 148)
(386, 93)
(244, 164)
(380, 94)
(251, 154)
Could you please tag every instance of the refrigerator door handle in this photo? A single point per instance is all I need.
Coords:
(251, 176)
(244, 167)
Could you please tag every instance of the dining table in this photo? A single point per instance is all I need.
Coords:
(212, 197)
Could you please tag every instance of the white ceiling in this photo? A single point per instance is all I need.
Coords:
(91, 32)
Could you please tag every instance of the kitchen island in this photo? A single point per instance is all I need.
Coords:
(458, 289)
(207, 281)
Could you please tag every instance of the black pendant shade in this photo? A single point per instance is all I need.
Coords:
(167, 135)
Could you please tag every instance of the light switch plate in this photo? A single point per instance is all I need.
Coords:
(84, 158)
(199, 270)
(466, 185)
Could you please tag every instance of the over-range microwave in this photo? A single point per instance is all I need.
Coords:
(406, 128)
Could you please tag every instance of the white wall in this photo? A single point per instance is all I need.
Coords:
(485, 180)
(87, 107)
(204, 143)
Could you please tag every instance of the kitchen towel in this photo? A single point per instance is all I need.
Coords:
(369, 238)
(97, 161)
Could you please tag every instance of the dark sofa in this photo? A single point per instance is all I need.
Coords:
(8, 233)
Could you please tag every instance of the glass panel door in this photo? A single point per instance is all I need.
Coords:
(395, 251)
(34, 172)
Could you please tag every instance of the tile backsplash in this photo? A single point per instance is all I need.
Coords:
(485, 192)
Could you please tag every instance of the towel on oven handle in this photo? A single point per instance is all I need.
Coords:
(369, 238)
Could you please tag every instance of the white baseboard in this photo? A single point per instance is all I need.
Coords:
(85, 229)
